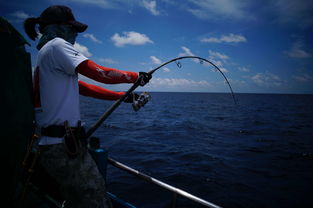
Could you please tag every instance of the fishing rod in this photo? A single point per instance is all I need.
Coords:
(107, 113)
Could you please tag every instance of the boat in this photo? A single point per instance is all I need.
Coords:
(100, 155)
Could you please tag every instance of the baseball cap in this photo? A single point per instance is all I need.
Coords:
(59, 14)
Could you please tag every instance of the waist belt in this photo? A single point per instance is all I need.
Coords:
(56, 131)
(74, 137)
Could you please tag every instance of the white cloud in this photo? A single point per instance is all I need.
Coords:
(187, 52)
(19, 16)
(216, 62)
(303, 78)
(99, 3)
(297, 51)
(172, 82)
(223, 69)
(230, 38)
(130, 38)
(218, 59)
(243, 69)
(82, 49)
(219, 9)
(155, 60)
(215, 57)
(296, 12)
(107, 61)
(92, 38)
(218, 55)
(127, 5)
(237, 83)
(151, 7)
(266, 80)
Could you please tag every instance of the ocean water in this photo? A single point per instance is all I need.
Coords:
(258, 153)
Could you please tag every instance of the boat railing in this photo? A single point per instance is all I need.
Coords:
(174, 190)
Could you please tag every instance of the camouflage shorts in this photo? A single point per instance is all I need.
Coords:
(81, 183)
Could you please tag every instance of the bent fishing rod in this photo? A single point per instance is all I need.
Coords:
(107, 113)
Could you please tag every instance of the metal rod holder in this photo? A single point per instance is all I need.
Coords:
(161, 184)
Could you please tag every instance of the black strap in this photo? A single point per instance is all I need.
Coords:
(53, 131)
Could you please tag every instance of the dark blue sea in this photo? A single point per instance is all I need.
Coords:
(258, 153)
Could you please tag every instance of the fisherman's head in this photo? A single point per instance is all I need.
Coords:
(55, 21)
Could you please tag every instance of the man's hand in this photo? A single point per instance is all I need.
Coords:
(144, 78)
(131, 97)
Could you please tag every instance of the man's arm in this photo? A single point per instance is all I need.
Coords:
(98, 92)
(105, 75)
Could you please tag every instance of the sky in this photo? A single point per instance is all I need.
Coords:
(261, 46)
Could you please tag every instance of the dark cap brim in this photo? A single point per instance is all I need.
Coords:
(80, 27)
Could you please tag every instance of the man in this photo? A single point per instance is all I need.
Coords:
(56, 93)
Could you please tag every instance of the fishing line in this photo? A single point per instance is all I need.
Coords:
(136, 84)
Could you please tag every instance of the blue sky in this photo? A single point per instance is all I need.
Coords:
(262, 46)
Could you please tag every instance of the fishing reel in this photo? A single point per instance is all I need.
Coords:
(141, 100)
